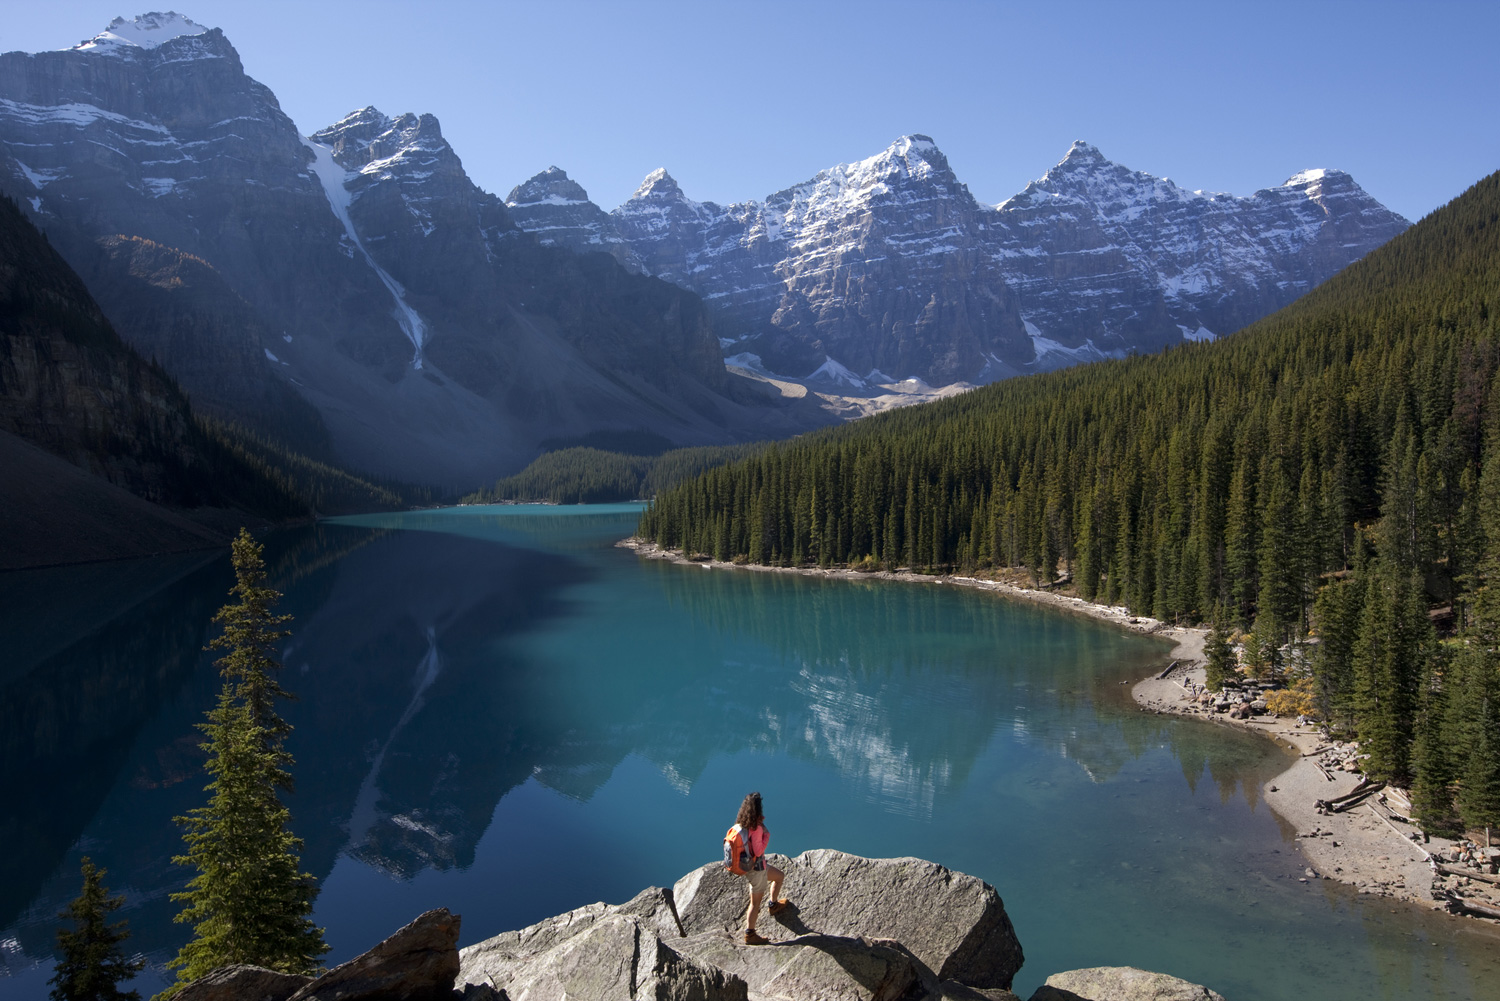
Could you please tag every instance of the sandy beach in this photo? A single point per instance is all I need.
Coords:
(1369, 847)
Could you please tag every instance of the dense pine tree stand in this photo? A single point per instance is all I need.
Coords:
(1329, 476)
(93, 962)
(249, 902)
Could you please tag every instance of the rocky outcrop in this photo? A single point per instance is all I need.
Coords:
(243, 983)
(888, 268)
(417, 963)
(857, 928)
(1120, 983)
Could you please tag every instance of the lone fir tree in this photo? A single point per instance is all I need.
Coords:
(249, 902)
(93, 963)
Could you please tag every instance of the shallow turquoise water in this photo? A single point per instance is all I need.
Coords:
(502, 713)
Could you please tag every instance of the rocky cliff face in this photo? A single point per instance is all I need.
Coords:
(888, 268)
(435, 339)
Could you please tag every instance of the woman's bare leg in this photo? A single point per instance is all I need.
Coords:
(775, 876)
(755, 899)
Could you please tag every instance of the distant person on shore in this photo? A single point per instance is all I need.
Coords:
(745, 854)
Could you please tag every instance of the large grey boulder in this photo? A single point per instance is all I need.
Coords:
(417, 963)
(596, 953)
(858, 929)
(243, 983)
(1120, 983)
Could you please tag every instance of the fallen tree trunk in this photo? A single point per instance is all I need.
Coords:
(1464, 906)
(1349, 800)
(1484, 877)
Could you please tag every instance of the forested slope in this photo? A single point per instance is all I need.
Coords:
(584, 475)
(1333, 470)
(71, 387)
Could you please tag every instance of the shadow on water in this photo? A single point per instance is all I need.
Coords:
(76, 691)
(398, 666)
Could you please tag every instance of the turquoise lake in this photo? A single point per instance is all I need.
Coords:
(501, 712)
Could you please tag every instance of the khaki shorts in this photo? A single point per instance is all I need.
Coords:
(758, 880)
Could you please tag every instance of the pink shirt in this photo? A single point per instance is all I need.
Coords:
(759, 838)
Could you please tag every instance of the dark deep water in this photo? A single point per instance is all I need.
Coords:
(501, 713)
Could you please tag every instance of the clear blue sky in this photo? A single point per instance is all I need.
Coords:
(738, 100)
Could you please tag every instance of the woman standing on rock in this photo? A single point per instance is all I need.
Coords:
(745, 854)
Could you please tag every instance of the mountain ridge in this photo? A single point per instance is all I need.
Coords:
(1089, 261)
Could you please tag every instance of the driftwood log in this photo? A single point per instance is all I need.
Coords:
(1351, 799)
(1465, 906)
(1483, 877)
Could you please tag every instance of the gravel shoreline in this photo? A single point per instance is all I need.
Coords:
(1366, 847)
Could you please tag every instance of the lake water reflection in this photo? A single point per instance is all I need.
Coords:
(502, 713)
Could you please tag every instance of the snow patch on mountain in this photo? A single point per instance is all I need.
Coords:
(73, 114)
(1052, 354)
(832, 371)
(40, 178)
(334, 179)
(145, 32)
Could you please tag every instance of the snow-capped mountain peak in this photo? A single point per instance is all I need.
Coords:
(1315, 183)
(911, 156)
(144, 32)
(659, 184)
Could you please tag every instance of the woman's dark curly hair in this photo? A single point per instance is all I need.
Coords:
(750, 813)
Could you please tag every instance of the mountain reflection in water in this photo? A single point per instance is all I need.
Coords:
(499, 712)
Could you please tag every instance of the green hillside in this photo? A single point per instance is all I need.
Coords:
(587, 475)
(1332, 470)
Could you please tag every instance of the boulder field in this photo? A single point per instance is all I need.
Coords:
(857, 929)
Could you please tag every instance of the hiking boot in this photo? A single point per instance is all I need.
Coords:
(753, 937)
(777, 906)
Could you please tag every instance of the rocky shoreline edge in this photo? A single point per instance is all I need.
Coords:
(854, 929)
(1370, 847)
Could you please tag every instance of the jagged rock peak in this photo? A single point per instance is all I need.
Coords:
(552, 186)
(144, 32)
(366, 138)
(1082, 154)
(658, 184)
(358, 128)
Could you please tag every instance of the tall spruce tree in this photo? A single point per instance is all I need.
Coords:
(1476, 724)
(1434, 764)
(1392, 653)
(1479, 737)
(1217, 653)
(249, 902)
(93, 963)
